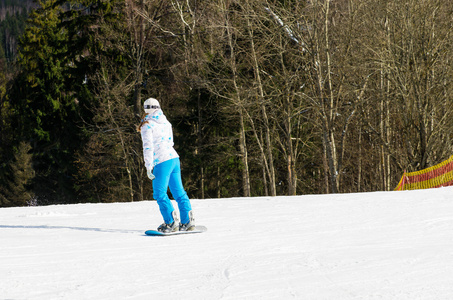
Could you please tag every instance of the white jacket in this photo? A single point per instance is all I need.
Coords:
(157, 137)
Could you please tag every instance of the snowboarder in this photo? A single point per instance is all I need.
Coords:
(163, 168)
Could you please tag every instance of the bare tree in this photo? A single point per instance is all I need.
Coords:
(237, 101)
(414, 58)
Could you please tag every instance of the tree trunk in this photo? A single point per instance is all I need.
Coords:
(265, 119)
(292, 175)
(238, 104)
(244, 156)
(140, 43)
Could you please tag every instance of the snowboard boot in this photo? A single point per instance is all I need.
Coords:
(166, 228)
(188, 226)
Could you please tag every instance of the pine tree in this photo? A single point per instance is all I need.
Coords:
(16, 190)
(46, 111)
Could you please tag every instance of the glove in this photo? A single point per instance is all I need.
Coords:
(150, 174)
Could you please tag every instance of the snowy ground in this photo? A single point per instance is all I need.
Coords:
(383, 245)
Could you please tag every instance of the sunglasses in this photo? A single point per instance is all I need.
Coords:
(152, 106)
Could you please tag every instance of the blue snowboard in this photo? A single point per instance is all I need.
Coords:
(198, 229)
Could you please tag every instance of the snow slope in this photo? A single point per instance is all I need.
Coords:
(382, 245)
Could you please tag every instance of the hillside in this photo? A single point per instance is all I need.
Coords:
(382, 245)
(13, 7)
(13, 16)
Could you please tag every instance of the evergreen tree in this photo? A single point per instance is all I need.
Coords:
(46, 112)
(59, 50)
(13, 17)
(15, 191)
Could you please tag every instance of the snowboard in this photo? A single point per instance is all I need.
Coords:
(198, 229)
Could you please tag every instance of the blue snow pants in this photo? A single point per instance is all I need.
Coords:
(168, 174)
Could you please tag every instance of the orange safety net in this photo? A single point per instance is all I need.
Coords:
(433, 177)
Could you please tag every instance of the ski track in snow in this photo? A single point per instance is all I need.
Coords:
(381, 245)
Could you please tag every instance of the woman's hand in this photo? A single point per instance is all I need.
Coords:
(150, 174)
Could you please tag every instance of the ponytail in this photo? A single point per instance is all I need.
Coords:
(142, 122)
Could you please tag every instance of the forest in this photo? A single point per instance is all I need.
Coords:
(266, 97)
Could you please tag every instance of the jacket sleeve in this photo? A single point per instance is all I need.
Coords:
(171, 136)
(148, 145)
